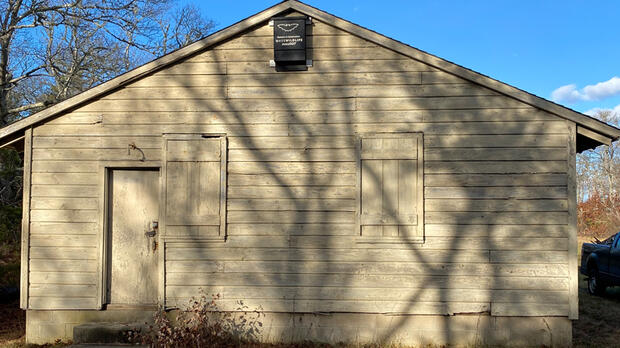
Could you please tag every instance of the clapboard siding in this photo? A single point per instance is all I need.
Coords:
(495, 205)
(495, 230)
(197, 253)
(352, 239)
(499, 192)
(291, 179)
(495, 180)
(372, 294)
(319, 66)
(263, 55)
(495, 184)
(62, 215)
(384, 268)
(377, 306)
(318, 104)
(431, 230)
(84, 191)
(382, 281)
(182, 295)
(316, 42)
(299, 155)
(70, 278)
(58, 228)
(63, 240)
(43, 203)
(63, 253)
(95, 120)
(294, 205)
(542, 128)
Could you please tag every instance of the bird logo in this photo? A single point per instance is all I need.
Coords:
(288, 27)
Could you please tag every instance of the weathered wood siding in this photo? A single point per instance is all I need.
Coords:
(495, 185)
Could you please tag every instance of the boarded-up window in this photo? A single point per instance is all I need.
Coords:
(391, 188)
(195, 186)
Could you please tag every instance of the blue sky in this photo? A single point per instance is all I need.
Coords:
(571, 47)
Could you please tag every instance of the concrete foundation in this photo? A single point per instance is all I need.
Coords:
(411, 330)
(47, 326)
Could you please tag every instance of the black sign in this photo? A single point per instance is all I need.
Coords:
(289, 41)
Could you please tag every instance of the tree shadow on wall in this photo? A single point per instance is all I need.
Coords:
(493, 236)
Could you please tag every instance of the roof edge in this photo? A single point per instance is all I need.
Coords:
(585, 121)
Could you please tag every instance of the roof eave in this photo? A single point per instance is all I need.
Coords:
(16, 142)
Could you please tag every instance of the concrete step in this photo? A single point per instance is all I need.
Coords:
(103, 334)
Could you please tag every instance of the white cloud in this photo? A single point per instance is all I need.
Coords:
(566, 93)
(599, 91)
(594, 111)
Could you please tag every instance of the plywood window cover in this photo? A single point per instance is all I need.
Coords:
(419, 218)
(223, 184)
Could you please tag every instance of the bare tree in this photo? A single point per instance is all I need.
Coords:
(53, 49)
(598, 170)
(598, 186)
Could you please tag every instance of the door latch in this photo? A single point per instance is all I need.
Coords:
(153, 229)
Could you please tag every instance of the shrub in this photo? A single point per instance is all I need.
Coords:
(201, 324)
(10, 196)
(599, 217)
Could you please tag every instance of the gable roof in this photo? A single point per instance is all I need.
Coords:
(591, 132)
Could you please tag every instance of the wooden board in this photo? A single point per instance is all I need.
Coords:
(291, 179)
(461, 180)
(292, 167)
(477, 128)
(572, 254)
(382, 281)
(108, 117)
(296, 205)
(25, 228)
(494, 205)
(383, 268)
(372, 294)
(291, 192)
(74, 278)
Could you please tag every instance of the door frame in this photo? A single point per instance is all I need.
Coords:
(104, 171)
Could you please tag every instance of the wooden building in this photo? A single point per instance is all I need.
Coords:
(369, 192)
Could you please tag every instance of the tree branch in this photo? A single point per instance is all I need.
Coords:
(27, 107)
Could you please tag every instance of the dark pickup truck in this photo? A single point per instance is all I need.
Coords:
(600, 262)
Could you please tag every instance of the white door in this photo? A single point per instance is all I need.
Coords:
(133, 209)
